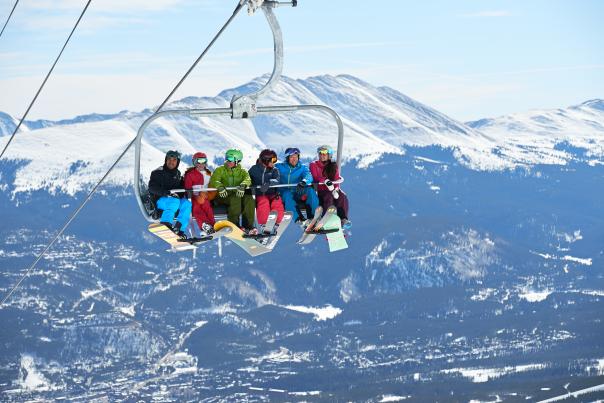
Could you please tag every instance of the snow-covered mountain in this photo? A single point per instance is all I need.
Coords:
(550, 136)
(378, 120)
(473, 272)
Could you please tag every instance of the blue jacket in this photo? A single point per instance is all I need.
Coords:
(293, 175)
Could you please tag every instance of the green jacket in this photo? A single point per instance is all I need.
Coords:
(227, 177)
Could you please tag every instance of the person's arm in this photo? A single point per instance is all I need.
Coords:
(247, 180)
(155, 185)
(306, 175)
(216, 178)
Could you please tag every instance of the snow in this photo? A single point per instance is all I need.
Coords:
(127, 310)
(583, 261)
(392, 398)
(32, 379)
(281, 355)
(70, 156)
(535, 296)
(325, 313)
(575, 394)
(480, 375)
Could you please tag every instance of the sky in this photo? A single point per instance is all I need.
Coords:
(469, 59)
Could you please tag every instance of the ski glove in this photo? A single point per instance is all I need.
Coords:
(264, 187)
(222, 192)
(300, 187)
(328, 183)
(240, 190)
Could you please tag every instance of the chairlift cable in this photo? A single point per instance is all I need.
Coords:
(8, 19)
(45, 79)
(81, 206)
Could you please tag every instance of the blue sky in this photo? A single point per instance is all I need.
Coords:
(468, 59)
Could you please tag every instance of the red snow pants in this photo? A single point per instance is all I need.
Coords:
(266, 203)
(203, 213)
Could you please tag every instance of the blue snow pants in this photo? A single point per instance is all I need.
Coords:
(169, 205)
(290, 197)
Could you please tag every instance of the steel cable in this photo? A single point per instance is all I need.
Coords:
(81, 206)
(45, 79)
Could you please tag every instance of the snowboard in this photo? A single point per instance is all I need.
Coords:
(177, 244)
(336, 239)
(287, 219)
(250, 245)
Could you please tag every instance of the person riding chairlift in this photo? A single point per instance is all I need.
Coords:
(238, 203)
(264, 174)
(197, 178)
(161, 183)
(292, 171)
(326, 171)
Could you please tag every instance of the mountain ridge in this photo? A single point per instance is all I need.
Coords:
(378, 121)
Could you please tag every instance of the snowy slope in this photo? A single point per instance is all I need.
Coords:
(539, 136)
(70, 155)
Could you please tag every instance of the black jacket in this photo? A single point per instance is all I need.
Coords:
(163, 180)
(261, 174)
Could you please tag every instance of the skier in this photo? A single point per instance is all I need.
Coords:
(197, 178)
(292, 171)
(264, 174)
(326, 171)
(161, 183)
(229, 175)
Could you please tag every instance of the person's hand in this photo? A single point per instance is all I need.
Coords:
(173, 194)
(240, 190)
(300, 187)
(264, 187)
(222, 192)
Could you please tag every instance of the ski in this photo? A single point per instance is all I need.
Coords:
(270, 223)
(279, 230)
(316, 228)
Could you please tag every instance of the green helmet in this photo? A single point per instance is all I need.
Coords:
(233, 155)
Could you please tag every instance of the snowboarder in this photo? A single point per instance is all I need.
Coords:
(326, 171)
(264, 174)
(161, 183)
(197, 178)
(231, 174)
(292, 171)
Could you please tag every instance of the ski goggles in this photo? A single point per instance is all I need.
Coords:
(269, 159)
(291, 151)
(325, 151)
(201, 160)
(233, 159)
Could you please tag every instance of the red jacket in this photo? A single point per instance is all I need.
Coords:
(195, 178)
(316, 169)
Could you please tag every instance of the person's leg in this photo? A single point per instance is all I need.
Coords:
(207, 213)
(289, 203)
(342, 205)
(312, 200)
(198, 213)
(277, 205)
(262, 209)
(184, 214)
(169, 205)
(326, 199)
(234, 208)
(249, 211)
